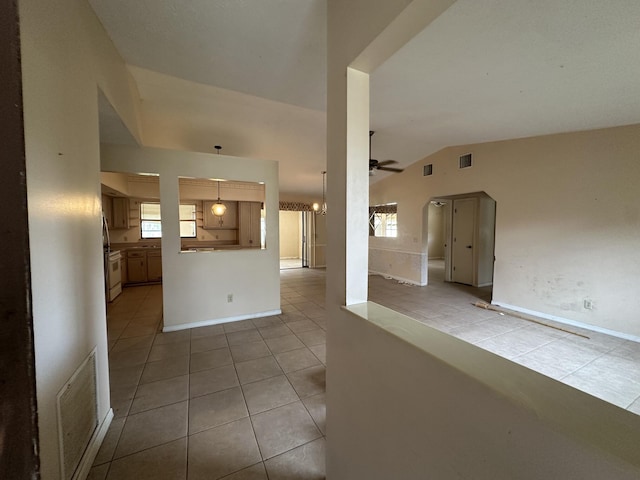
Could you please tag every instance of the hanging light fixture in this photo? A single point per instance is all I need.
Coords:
(322, 209)
(218, 208)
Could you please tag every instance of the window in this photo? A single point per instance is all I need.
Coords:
(187, 221)
(383, 220)
(150, 224)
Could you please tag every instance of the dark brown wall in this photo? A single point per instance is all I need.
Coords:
(18, 413)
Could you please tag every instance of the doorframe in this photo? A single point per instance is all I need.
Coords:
(18, 403)
(447, 200)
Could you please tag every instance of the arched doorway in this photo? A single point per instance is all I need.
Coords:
(460, 239)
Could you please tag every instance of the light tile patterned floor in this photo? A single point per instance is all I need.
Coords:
(604, 366)
(245, 400)
(242, 400)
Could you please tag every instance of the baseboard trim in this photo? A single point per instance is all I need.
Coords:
(94, 445)
(566, 321)
(399, 279)
(216, 321)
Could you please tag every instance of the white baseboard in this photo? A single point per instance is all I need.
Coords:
(566, 321)
(395, 277)
(216, 321)
(92, 449)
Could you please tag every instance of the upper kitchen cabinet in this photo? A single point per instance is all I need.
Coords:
(249, 214)
(228, 221)
(120, 213)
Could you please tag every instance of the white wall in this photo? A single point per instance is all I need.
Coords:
(566, 225)
(434, 406)
(196, 285)
(173, 108)
(66, 55)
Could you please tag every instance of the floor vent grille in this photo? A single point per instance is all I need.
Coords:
(77, 415)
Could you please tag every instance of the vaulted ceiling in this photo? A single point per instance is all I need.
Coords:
(483, 71)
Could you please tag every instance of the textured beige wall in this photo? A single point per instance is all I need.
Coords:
(567, 220)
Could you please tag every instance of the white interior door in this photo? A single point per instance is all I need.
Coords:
(464, 215)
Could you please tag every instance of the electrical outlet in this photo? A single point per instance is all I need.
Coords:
(588, 304)
(230, 298)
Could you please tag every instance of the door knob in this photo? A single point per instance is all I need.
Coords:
(469, 246)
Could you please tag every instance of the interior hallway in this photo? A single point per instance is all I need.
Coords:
(246, 399)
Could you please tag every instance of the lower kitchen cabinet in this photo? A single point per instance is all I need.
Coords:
(136, 267)
(123, 268)
(154, 266)
(144, 266)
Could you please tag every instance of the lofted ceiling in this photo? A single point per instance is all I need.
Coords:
(483, 71)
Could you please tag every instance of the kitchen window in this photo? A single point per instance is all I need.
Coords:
(383, 220)
(187, 221)
(150, 222)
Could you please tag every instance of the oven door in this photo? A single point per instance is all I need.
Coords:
(114, 275)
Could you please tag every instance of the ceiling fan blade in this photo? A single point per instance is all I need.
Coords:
(387, 162)
(390, 169)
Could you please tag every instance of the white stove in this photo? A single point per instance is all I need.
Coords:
(114, 275)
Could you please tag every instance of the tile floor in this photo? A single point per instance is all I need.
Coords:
(245, 400)
(604, 366)
(242, 400)
(286, 263)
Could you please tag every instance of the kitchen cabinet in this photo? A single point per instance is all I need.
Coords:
(228, 221)
(144, 265)
(249, 214)
(154, 266)
(136, 266)
(120, 213)
(123, 268)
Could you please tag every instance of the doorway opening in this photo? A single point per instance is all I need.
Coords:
(461, 240)
(294, 235)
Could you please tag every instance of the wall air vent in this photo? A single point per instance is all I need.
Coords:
(465, 161)
(77, 415)
(427, 170)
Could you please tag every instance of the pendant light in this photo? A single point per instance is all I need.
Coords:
(322, 209)
(218, 208)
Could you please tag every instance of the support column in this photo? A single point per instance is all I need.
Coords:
(348, 189)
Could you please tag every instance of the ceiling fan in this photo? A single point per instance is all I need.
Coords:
(376, 165)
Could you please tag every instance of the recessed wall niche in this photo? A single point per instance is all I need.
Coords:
(221, 214)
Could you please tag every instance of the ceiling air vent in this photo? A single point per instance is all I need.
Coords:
(465, 161)
(427, 170)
